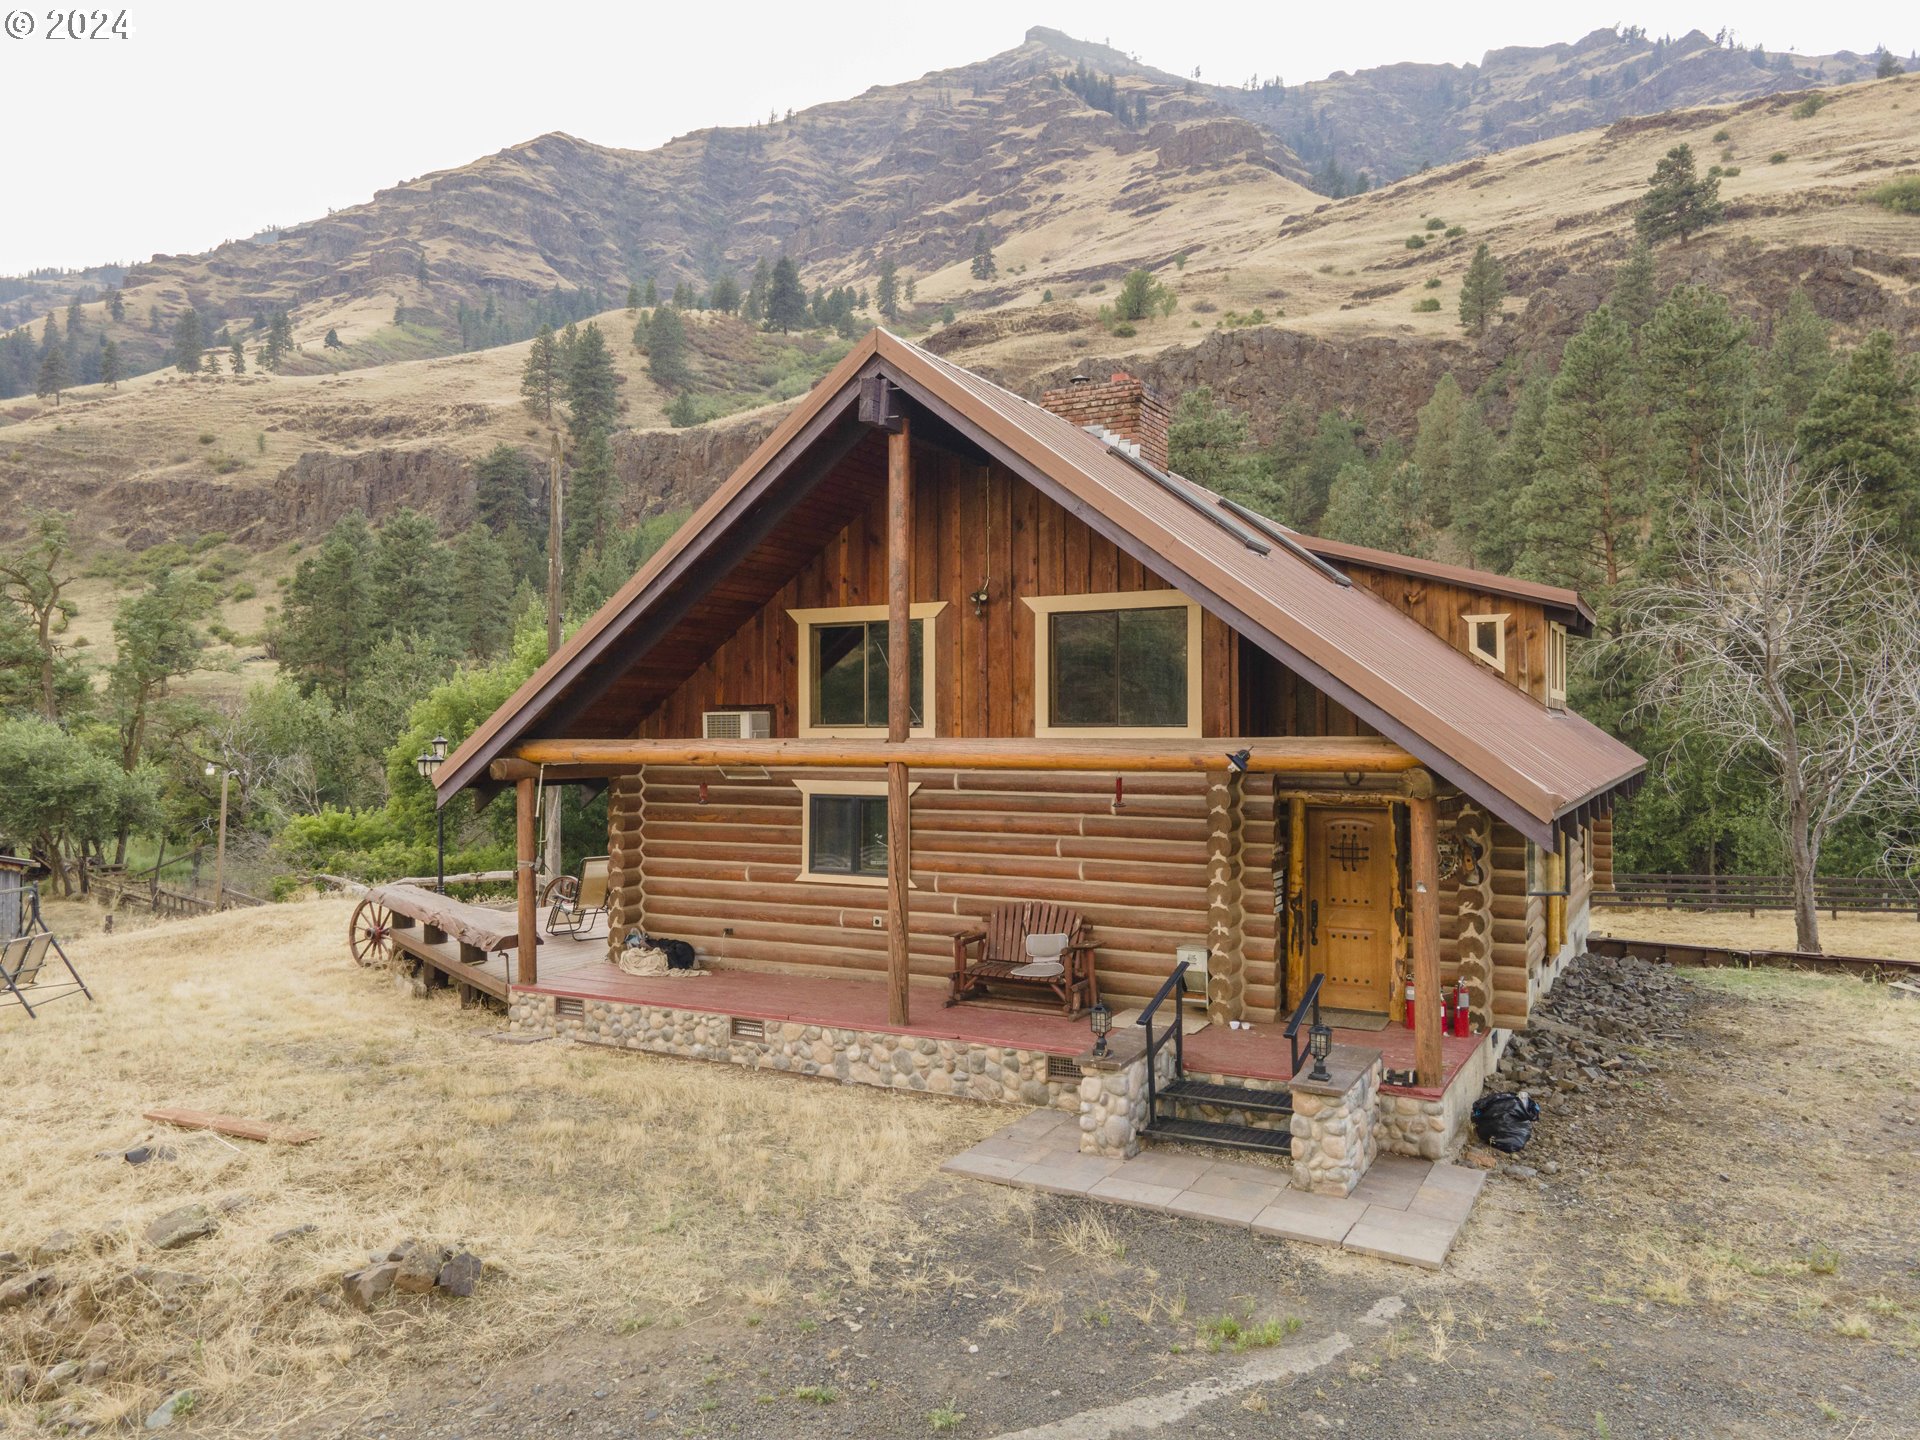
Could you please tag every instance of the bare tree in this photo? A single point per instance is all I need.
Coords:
(1790, 633)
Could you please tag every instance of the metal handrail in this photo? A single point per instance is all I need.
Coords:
(1176, 983)
(1309, 1002)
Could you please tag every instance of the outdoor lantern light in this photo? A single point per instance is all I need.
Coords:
(426, 762)
(1100, 1018)
(1320, 1043)
(439, 747)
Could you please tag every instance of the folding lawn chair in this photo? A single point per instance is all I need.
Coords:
(577, 904)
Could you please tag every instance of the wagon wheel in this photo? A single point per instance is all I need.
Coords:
(561, 887)
(370, 933)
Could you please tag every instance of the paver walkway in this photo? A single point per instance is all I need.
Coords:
(1406, 1210)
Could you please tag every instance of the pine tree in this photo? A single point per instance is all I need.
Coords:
(408, 575)
(1378, 504)
(187, 344)
(652, 296)
(1632, 298)
(54, 375)
(633, 297)
(984, 265)
(786, 298)
(1697, 360)
(667, 349)
(761, 286)
(1863, 426)
(1481, 291)
(1437, 428)
(74, 317)
(593, 389)
(279, 341)
(1796, 365)
(508, 502)
(540, 379)
(886, 294)
(116, 303)
(482, 571)
(110, 365)
(329, 626)
(1586, 507)
(589, 507)
(239, 354)
(211, 359)
(1885, 66)
(332, 339)
(724, 296)
(1678, 201)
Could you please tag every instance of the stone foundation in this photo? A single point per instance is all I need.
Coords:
(994, 1073)
(1429, 1128)
(1334, 1133)
(1114, 1106)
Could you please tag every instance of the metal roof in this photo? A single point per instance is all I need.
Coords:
(1529, 764)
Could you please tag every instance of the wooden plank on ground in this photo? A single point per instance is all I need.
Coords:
(238, 1126)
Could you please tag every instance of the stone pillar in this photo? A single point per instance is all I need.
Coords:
(1473, 830)
(1335, 1121)
(1113, 1094)
(1226, 898)
(626, 803)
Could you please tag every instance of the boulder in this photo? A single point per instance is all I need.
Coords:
(168, 1410)
(460, 1274)
(60, 1242)
(181, 1227)
(419, 1267)
(27, 1287)
(362, 1288)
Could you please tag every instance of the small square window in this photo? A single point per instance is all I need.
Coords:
(847, 835)
(1487, 639)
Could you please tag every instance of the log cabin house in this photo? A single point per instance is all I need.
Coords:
(1299, 765)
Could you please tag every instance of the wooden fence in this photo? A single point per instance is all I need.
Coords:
(1753, 893)
(168, 904)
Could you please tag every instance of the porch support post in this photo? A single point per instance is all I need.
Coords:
(526, 962)
(1423, 839)
(899, 712)
(1226, 900)
(1296, 902)
(1473, 830)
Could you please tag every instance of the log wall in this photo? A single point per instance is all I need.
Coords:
(1441, 607)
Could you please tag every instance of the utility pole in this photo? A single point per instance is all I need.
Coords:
(555, 861)
(220, 849)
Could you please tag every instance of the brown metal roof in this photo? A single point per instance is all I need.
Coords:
(1575, 612)
(1528, 764)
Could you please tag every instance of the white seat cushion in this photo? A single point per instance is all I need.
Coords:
(1045, 947)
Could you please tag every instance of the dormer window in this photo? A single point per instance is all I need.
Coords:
(1487, 639)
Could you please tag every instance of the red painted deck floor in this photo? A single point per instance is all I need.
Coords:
(855, 1004)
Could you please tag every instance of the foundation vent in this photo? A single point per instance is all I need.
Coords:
(744, 1029)
(569, 1005)
(1059, 1067)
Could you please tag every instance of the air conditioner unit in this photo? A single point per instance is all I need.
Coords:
(736, 725)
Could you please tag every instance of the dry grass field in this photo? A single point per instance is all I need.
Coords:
(607, 1193)
(1893, 937)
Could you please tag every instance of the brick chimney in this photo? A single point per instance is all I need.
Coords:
(1123, 408)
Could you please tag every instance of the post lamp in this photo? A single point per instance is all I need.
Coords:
(1320, 1043)
(427, 762)
(1100, 1021)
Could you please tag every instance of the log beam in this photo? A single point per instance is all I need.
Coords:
(1423, 840)
(1287, 755)
(526, 966)
(899, 713)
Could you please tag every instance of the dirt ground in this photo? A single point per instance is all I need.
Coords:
(1707, 1252)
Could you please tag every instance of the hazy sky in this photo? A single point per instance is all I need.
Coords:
(216, 117)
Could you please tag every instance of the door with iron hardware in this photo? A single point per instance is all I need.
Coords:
(1349, 906)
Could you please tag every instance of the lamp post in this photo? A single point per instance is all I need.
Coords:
(1320, 1043)
(220, 847)
(427, 762)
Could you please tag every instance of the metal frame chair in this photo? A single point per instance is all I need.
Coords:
(24, 957)
(576, 904)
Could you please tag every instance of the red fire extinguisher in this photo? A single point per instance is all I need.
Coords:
(1409, 1007)
(1461, 1007)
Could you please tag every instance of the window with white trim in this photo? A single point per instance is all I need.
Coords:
(843, 831)
(1487, 639)
(1120, 663)
(845, 669)
(1556, 663)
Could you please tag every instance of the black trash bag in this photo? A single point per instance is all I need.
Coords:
(680, 955)
(1505, 1121)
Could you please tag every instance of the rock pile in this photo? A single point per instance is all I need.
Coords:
(413, 1267)
(1599, 1027)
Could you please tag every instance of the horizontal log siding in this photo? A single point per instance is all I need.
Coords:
(1519, 929)
(1139, 876)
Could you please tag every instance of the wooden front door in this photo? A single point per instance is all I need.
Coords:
(1349, 905)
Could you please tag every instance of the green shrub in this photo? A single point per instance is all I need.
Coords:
(1416, 242)
(1046, 297)
(1434, 222)
(1722, 135)
(1125, 330)
(1454, 232)
(1811, 106)
(206, 437)
(243, 591)
(1426, 306)
(1433, 282)
(1901, 196)
(1099, 287)
(1779, 157)
(1731, 171)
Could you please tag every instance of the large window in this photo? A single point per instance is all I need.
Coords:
(1125, 663)
(847, 835)
(845, 670)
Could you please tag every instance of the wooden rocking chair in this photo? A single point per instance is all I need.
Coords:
(575, 905)
(993, 955)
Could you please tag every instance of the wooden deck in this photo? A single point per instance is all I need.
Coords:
(560, 956)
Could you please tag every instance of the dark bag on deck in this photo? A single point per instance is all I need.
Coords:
(679, 953)
(1505, 1121)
